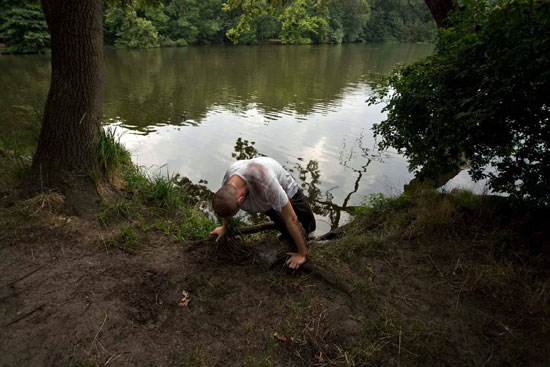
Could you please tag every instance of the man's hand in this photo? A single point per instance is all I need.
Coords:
(295, 260)
(219, 231)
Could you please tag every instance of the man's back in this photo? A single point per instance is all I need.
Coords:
(270, 185)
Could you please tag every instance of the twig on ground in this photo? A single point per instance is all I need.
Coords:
(399, 351)
(95, 340)
(257, 228)
(24, 276)
(25, 315)
(435, 266)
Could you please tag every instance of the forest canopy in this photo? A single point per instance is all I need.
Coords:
(189, 22)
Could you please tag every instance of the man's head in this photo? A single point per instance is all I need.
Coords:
(227, 201)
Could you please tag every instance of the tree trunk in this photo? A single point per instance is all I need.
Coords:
(440, 10)
(68, 144)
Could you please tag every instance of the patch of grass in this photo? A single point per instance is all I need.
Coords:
(194, 358)
(194, 224)
(112, 154)
(472, 247)
(127, 239)
(255, 361)
(188, 224)
(163, 192)
(160, 191)
(466, 199)
(308, 337)
(161, 205)
(380, 204)
(115, 212)
(13, 168)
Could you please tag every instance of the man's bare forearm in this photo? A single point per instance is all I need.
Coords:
(294, 229)
(296, 234)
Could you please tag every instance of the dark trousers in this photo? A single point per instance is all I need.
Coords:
(303, 212)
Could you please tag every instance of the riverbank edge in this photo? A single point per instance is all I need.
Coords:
(462, 277)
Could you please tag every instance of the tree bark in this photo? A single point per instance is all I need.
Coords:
(440, 10)
(68, 143)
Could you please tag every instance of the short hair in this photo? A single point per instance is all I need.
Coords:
(225, 201)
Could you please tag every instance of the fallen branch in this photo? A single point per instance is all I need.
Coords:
(243, 230)
(257, 228)
(210, 239)
(309, 266)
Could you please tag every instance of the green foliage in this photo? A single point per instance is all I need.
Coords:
(160, 21)
(297, 25)
(143, 24)
(23, 27)
(112, 154)
(192, 21)
(399, 21)
(348, 19)
(194, 358)
(481, 100)
(111, 213)
(181, 42)
(127, 240)
(125, 29)
(13, 167)
(189, 224)
(160, 191)
(334, 21)
(381, 205)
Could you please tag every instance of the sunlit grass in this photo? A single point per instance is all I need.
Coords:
(157, 201)
(127, 239)
(112, 154)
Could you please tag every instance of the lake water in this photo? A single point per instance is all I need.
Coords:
(194, 110)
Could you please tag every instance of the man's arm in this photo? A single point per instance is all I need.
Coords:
(220, 231)
(293, 227)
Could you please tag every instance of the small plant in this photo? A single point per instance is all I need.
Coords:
(194, 224)
(381, 204)
(112, 154)
(127, 240)
(115, 212)
(160, 191)
(164, 192)
(194, 359)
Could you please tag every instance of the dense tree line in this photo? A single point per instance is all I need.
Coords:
(23, 27)
(481, 101)
(399, 20)
(184, 22)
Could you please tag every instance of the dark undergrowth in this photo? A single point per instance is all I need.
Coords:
(447, 274)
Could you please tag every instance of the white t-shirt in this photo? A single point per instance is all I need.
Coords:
(269, 184)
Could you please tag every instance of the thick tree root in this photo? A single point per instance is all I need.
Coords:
(265, 256)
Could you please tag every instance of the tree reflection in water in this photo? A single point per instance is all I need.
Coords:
(308, 176)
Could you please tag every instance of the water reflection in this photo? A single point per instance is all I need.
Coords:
(308, 176)
(195, 110)
(180, 86)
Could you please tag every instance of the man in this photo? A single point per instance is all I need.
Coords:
(262, 185)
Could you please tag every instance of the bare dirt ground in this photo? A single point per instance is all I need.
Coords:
(67, 300)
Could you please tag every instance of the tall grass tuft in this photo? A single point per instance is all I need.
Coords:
(112, 154)
(160, 191)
